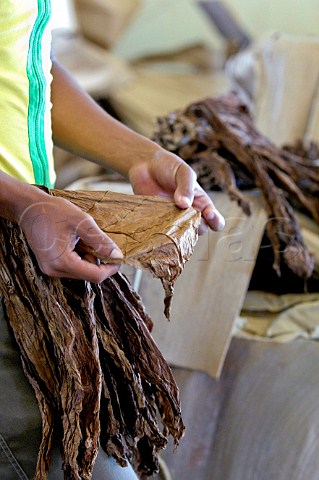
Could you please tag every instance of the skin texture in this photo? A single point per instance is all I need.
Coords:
(53, 225)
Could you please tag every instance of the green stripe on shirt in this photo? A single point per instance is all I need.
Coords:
(37, 97)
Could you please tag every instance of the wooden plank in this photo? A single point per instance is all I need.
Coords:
(210, 292)
(201, 401)
(259, 421)
(268, 425)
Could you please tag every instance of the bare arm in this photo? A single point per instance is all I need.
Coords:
(82, 127)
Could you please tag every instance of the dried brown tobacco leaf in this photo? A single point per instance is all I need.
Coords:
(221, 128)
(221, 174)
(58, 338)
(86, 349)
(152, 232)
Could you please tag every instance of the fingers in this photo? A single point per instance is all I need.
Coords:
(85, 269)
(53, 230)
(185, 179)
(89, 266)
(203, 227)
(210, 214)
(72, 265)
(188, 193)
(101, 245)
(213, 218)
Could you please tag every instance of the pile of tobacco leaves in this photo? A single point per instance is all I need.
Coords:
(217, 137)
(86, 349)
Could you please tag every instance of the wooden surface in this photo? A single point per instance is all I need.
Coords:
(268, 427)
(209, 293)
(259, 421)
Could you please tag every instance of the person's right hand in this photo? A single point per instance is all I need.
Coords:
(53, 226)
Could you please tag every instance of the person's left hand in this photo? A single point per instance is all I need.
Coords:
(167, 175)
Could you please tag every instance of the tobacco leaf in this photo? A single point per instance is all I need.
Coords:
(214, 132)
(86, 349)
(153, 233)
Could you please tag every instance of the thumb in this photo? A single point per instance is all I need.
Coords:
(95, 241)
(185, 179)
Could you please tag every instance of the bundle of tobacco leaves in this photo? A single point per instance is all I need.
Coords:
(217, 137)
(87, 350)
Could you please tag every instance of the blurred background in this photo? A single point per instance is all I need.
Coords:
(141, 59)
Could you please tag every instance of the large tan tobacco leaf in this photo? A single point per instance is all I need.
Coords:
(86, 348)
(152, 232)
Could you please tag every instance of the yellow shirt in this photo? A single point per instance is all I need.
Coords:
(25, 108)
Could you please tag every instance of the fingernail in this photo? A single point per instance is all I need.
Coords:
(185, 201)
(212, 214)
(116, 253)
(221, 221)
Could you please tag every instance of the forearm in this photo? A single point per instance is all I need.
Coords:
(84, 128)
(16, 196)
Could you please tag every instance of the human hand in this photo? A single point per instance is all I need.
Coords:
(167, 175)
(53, 227)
